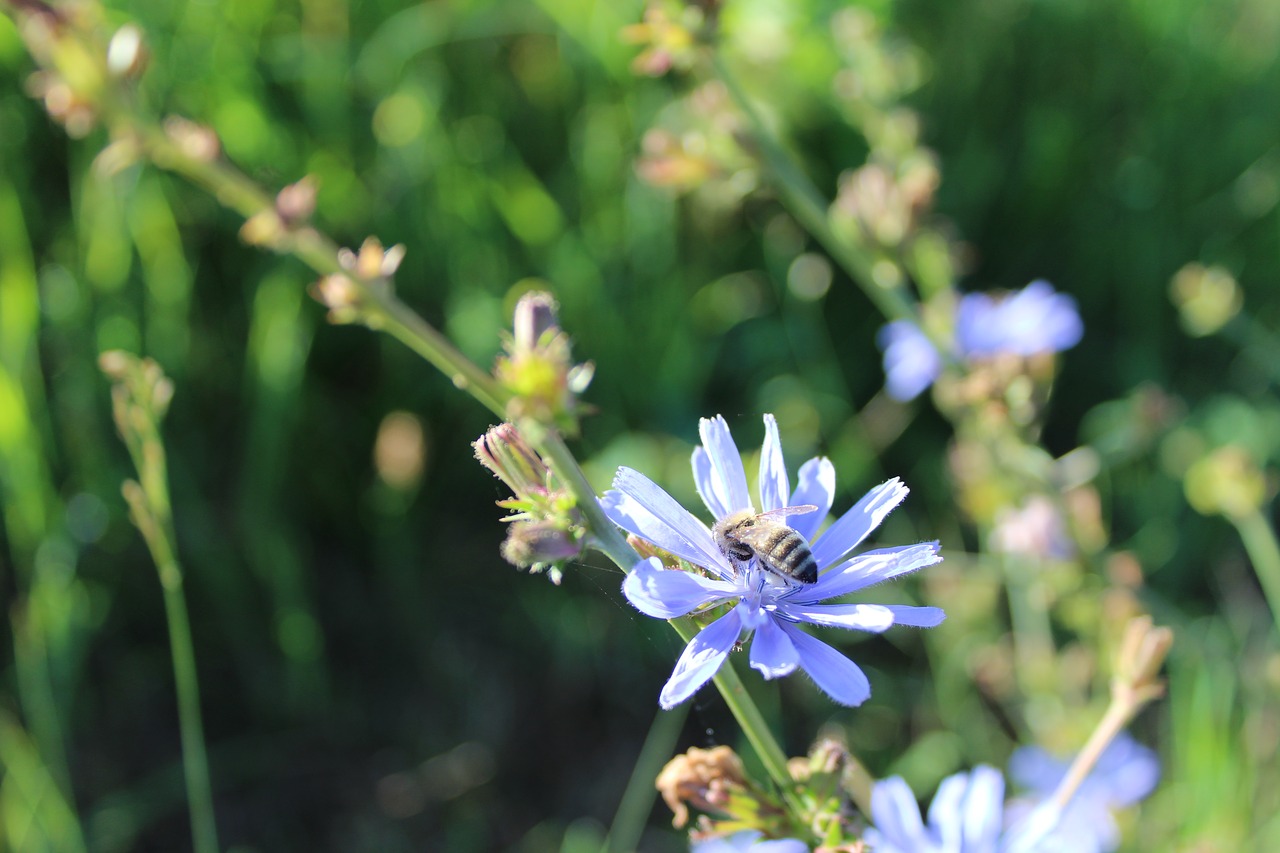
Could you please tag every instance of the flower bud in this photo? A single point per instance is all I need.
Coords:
(264, 229)
(546, 527)
(340, 295)
(296, 202)
(127, 54)
(538, 368)
(539, 544)
(1138, 661)
(668, 39)
(194, 140)
(504, 452)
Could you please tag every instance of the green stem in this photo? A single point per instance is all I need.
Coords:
(195, 764)
(1264, 552)
(1118, 714)
(420, 336)
(637, 799)
(753, 724)
(150, 512)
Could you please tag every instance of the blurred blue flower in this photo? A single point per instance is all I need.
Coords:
(767, 606)
(1125, 773)
(1036, 319)
(910, 361)
(749, 841)
(966, 816)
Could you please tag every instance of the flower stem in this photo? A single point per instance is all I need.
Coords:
(1118, 714)
(402, 323)
(195, 763)
(637, 799)
(1260, 541)
(149, 508)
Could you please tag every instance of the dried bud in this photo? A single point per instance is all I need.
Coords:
(703, 778)
(1137, 664)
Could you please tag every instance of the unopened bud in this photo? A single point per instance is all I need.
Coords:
(372, 262)
(296, 202)
(504, 451)
(193, 140)
(114, 363)
(264, 228)
(538, 369)
(535, 316)
(127, 54)
(533, 543)
(340, 295)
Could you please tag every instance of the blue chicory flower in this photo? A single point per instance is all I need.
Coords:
(749, 841)
(910, 361)
(1125, 773)
(1033, 320)
(967, 815)
(764, 605)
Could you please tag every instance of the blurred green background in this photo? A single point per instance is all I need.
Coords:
(374, 676)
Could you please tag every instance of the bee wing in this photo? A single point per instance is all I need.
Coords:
(783, 511)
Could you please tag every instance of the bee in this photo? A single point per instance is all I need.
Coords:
(765, 536)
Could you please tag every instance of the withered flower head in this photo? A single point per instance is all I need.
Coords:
(703, 778)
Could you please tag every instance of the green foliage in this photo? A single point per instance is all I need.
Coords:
(365, 654)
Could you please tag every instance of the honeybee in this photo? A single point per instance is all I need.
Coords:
(764, 535)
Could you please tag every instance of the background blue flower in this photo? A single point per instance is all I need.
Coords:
(1036, 319)
(967, 815)
(1125, 773)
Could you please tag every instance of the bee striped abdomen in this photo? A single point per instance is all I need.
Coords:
(789, 553)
